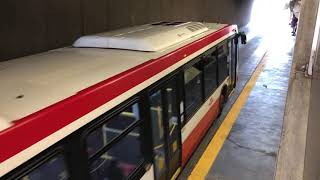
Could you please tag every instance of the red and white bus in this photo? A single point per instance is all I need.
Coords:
(127, 104)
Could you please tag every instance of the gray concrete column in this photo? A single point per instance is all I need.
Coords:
(307, 22)
(316, 68)
(291, 157)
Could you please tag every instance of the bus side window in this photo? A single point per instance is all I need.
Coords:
(115, 148)
(53, 169)
(106, 133)
(158, 134)
(192, 89)
(210, 70)
(165, 129)
(223, 58)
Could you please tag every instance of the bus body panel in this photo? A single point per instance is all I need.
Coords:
(198, 125)
(51, 77)
(104, 96)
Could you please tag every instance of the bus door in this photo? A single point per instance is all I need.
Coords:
(165, 130)
(233, 55)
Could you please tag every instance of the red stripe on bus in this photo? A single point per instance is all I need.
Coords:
(194, 139)
(35, 127)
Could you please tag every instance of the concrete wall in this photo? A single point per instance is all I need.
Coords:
(33, 26)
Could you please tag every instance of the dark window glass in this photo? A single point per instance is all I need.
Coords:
(171, 99)
(223, 61)
(102, 136)
(210, 75)
(193, 90)
(173, 144)
(120, 160)
(158, 134)
(233, 63)
(125, 155)
(53, 169)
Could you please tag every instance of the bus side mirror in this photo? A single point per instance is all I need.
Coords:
(242, 36)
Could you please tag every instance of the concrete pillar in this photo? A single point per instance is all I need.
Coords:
(316, 73)
(307, 22)
(291, 157)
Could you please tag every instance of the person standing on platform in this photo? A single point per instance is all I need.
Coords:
(294, 6)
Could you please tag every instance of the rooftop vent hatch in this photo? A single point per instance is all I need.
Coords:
(196, 27)
(166, 23)
(149, 37)
(159, 23)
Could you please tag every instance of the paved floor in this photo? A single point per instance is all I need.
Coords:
(251, 148)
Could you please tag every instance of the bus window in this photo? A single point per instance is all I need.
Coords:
(158, 134)
(193, 89)
(223, 61)
(165, 129)
(173, 129)
(119, 161)
(210, 74)
(233, 62)
(172, 113)
(110, 130)
(53, 169)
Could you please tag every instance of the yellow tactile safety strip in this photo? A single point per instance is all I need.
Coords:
(209, 156)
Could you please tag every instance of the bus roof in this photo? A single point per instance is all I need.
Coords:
(32, 83)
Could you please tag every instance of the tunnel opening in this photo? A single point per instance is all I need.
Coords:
(271, 20)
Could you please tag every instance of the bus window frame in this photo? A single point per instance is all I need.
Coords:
(210, 52)
(38, 160)
(234, 57)
(158, 86)
(105, 118)
(108, 115)
(192, 62)
(197, 59)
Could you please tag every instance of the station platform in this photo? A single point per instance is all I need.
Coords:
(243, 143)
